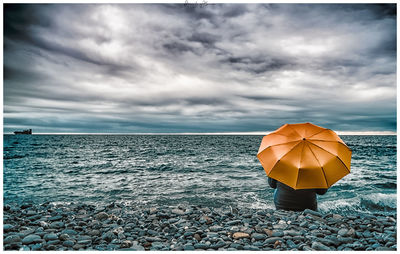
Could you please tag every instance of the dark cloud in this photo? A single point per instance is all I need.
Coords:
(199, 68)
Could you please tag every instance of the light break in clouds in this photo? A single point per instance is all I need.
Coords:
(217, 68)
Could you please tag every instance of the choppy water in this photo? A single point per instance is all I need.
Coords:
(174, 169)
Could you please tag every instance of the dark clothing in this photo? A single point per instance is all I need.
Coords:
(287, 198)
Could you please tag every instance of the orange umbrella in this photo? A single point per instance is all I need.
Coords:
(304, 156)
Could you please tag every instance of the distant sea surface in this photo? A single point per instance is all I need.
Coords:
(207, 170)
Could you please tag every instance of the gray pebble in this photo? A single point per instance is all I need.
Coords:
(31, 239)
(51, 236)
(201, 246)
(258, 236)
(342, 232)
(12, 239)
(319, 246)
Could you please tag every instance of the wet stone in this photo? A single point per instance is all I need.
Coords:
(201, 246)
(12, 239)
(277, 234)
(342, 232)
(258, 236)
(250, 247)
(37, 246)
(50, 237)
(7, 227)
(31, 239)
(319, 246)
(68, 243)
(188, 247)
(57, 225)
(55, 218)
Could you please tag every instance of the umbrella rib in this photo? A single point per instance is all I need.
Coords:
(283, 156)
(317, 133)
(275, 133)
(295, 130)
(298, 172)
(326, 180)
(283, 143)
(333, 155)
(335, 141)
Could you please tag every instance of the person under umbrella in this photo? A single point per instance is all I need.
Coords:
(302, 160)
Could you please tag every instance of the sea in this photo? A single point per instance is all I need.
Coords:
(203, 170)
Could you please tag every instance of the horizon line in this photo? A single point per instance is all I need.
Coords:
(206, 133)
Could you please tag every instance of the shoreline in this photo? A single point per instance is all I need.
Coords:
(186, 227)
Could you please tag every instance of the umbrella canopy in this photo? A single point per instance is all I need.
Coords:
(304, 156)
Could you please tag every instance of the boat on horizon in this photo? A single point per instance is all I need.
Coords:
(24, 132)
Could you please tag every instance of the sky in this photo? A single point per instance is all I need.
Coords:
(173, 68)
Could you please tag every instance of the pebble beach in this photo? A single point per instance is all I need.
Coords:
(121, 226)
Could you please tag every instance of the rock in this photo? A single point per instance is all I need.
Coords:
(272, 240)
(37, 246)
(55, 218)
(108, 236)
(68, 243)
(236, 246)
(94, 232)
(31, 239)
(53, 242)
(85, 242)
(152, 232)
(258, 236)
(233, 222)
(152, 239)
(342, 232)
(69, 232)
(101, 216)
(351, 232)
(178, 211)
(268, 231)
(277, 243)
(8, 227)
(188, 247)
(376, 245)
(78, 246)
(384, 249)
(291, 244)
(24, 248)
(197, 237)
(278, 234)
(304, 224)
(188, 234)
(337, 217)
(134, 248)
(367, 234)
(57, 225)
(201, 246)
(239, 235)
(212, 235)
(218, 245)
(312, 212)
(12, 239)
(125, 244)
(50, 237)
(319, 246)
(250, 247)
(345, 239)
(215, 228)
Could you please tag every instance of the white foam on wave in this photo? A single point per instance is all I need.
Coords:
(374, 202)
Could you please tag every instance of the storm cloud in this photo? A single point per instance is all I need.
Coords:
(144, 68)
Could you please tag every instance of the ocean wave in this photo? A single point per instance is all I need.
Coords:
(379, 202)
(372, 203)
(16, 156)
